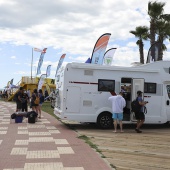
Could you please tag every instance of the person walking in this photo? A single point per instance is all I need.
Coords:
(25, 100)
(140, 117)
(35, 101)
(41, 102)
(18, 98)
(118, 103)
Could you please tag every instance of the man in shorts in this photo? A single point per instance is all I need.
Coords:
(118, 103)
(140, 117)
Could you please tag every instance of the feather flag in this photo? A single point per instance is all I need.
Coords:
(38, 50)
(8, 83)
(41, 61)
(48, 70)
(60, 63)
(154, 52)
(88, 60)
(108, 56)
(41, 81)
(11, 82)
(99, 49)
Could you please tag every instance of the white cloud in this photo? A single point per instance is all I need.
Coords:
(131, 44)
(13, 57)
(72, 27)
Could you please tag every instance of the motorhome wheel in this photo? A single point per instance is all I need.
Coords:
(105, 120)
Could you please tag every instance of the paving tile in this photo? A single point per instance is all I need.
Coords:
(3, 132)
(73, 168)
(42, 154)
(15, 169)
(3, 128)
(21, 142)
(6, 120)
(39, 123)
(22, 127)
(41, 139)
(61, 141)
(19, 151)
(36, 126)
(0, 141)
(39, 134)
(54, 131)
(51, 127)
(22, 132)
(4, 123)
(45, 122)
(43, 166)
(65, 150)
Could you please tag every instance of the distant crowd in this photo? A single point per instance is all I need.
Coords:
(35, 100)
(4, 94)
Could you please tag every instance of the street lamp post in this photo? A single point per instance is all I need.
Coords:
(31, 63)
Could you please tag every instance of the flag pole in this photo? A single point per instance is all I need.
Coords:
(31, 63)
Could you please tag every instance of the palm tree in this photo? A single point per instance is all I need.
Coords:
(141, 33)
(163, 32)
(155, 12)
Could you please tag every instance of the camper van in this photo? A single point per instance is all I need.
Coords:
(83, 90)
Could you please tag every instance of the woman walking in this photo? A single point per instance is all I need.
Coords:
(41, 102)
(35, 100)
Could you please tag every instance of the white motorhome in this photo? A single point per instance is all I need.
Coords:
(83, 91)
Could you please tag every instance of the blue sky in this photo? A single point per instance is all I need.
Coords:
(67, 26)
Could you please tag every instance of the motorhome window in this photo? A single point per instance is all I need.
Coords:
(168, 90)
(150, 87)
(126, 80)
(106, 85)
(58, 78)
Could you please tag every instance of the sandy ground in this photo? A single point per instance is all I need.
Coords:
(149, 150)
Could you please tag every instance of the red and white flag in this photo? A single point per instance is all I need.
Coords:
(38, 50)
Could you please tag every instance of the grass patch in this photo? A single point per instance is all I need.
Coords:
(46, 107)
(92, 145)
(113, 166)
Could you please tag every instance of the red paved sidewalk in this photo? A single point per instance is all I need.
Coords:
(46, 145)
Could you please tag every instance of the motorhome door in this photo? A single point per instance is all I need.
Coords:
(73, 100)
(137, 84)
(167, 99)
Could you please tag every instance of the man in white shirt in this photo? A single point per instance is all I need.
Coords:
(118, 103)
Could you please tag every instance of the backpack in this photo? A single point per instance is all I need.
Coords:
(135, 106)
(42, 99)
(37, 100)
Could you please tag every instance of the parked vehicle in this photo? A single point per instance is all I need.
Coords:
(83, 91)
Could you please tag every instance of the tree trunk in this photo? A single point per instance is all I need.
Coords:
(152, 36)
(160, 56)
(141, 52)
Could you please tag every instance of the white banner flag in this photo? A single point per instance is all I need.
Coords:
(41, 61)
(41, 81)
(48, 70)
(108, 56)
